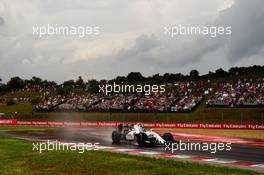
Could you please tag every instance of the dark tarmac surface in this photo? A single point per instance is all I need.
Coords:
(103, 136)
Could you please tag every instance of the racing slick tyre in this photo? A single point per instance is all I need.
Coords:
(168, 137)
(141, 139)
(116, 137)
(152, 142)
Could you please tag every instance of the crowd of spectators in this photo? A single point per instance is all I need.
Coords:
(71, 102)
(187, 103)
(49, 102)
(184, 97)
(155, 103)
(115, 102)
(239, 93)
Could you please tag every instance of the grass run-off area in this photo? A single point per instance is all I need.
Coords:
(200, 114)
(253, 134)
(17, 157)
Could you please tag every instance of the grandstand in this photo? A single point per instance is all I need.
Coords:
(240, 93)
(210, 98)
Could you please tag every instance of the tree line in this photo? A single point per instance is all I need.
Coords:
(16, 83)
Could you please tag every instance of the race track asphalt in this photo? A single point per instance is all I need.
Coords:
(102, 135)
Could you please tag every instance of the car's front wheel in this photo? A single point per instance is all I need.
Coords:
(141, 139)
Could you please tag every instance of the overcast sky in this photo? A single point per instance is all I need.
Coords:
(131, 37)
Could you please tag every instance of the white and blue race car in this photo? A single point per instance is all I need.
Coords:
(128, 132)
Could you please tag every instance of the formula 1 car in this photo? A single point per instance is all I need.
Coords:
(127, 132)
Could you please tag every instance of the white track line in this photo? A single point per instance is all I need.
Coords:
(259, 165)
(150, 152)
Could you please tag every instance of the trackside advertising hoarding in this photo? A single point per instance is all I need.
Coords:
(15, 122)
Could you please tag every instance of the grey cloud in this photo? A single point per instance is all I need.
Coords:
(138, 25)
(246, 19)
(2, 21)
(142, 48)
(247, 39)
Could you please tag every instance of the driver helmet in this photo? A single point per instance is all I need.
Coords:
(140, 125)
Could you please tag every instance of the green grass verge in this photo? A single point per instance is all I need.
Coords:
(21, 108)
(17, 157)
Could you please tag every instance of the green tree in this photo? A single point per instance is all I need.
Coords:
(15, 83)
(80, 82)
(134, 77)
(93, 86)
(194, 73)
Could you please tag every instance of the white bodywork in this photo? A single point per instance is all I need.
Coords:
(138, 128)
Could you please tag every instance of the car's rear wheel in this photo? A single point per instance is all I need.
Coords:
(116, 137)
(168, 137)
